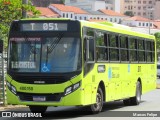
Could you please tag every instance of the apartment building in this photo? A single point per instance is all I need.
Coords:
(143, 8)
(87, 4)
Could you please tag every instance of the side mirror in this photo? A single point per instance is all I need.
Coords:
(1, 46)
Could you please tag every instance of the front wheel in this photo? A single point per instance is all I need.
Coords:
(97, 107)
(38, 109)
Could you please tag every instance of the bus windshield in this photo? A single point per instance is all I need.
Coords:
(58, 54)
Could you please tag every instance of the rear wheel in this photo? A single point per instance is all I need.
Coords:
(38, 109)
(137, 99)
(97, 107)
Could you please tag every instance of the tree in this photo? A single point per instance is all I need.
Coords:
(12, 10)
(157, 36)
(129, 13)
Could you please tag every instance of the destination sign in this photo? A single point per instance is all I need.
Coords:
(43, 26)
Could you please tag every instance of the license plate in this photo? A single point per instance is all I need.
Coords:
(39, 98)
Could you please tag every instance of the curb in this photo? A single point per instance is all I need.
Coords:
(7, 107)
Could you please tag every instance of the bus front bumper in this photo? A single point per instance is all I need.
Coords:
(73, 99)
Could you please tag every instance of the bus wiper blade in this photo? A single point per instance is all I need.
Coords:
(54, 43)
(52, 46)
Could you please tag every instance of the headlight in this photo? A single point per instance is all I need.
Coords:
(72, 88)
(77, 85)
(11, 88)
(8, 85)
(68, 90)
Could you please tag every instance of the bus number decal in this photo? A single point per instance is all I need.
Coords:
(23, 88)
(50, 26)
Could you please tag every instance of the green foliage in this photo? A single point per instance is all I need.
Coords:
(129, 13)
(157, 35)
(12, 10)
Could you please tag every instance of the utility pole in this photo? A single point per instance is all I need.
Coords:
(150, 11)
(24, 14)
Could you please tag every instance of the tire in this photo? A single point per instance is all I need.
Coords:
(97, 107)
(137, 99)
(127, 102)
(38, 109)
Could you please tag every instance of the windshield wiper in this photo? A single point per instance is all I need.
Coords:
(53, 45)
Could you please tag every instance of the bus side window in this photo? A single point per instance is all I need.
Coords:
(89, 45)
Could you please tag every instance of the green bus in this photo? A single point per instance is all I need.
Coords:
(63, 62)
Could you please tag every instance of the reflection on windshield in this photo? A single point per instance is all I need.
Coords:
(56, 54)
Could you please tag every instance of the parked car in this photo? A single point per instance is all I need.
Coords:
(158, 70)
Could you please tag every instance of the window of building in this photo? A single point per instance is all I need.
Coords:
(128, 7)
(143, 24)
(139, 7)
(115, 20)
(150, 24)
(147, 24)
(63, 14)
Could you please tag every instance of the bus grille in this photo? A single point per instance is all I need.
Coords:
(40, 79)
(49, 97)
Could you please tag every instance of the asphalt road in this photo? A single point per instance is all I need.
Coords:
(149, 108)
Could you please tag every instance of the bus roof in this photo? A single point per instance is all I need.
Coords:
(109, 26)
(116, 28)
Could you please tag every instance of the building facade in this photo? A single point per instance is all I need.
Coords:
(87, 4)
(76, 13)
